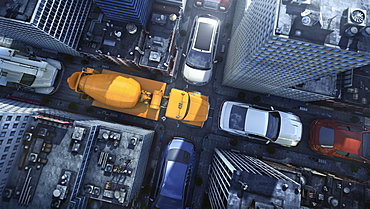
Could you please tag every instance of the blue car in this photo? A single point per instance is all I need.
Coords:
(176, 175)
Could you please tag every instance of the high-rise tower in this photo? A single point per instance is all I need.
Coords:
(277, 45)
(127, 11)
(49, 24)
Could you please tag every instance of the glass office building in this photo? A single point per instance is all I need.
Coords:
(48, 24)
(276, 46)
(238, 181)
(127, 11)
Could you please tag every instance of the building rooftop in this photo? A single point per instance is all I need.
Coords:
(341, 24)
(102, 36)
(156, 51)
(259, 191)
(19, 10)
(326, 190)
(78, 163)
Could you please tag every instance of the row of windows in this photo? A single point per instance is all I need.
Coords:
(12, 133)
(10, 140)
(17, 118)
(6, 171)
(6, 149)
(15, 125)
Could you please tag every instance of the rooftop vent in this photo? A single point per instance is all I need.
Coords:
(78, 133)
(131, 28)
(43, 132)
(356, 17)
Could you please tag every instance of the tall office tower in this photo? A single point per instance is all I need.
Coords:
(240, 181)
(48, 24)
(14, 120)
(127, 11)
(276, 46)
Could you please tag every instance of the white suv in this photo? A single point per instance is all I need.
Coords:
(200, 57)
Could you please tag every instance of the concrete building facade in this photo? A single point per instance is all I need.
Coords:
(46, 24)
(276, 46)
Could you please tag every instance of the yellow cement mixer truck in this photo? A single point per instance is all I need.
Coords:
(139, 96)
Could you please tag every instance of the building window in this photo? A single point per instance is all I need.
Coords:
(15, 147)
(15, 125)
(3, 134)
(6, 126)
(3, 157)
(1, 142)
(21, 132)
(12, 133)
(18, 118)
(10, 162)
(18, 140)
(3, 181)
(12, 155)
(9, 118)
(26, 118)
(7, 170)
(10, 141)
(1, 165)
(6, 149)
(23, 125)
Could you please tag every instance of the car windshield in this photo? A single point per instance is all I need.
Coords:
(199, 60)
(167, 202)
(179, 155)
(273, 126)
(366, 145)
(27, 79)
(326, 137)
(237, 117)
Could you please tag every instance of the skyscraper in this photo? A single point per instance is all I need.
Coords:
(15, 117)
(48, 24)
(127, 11)
(276, 46)
(239, 181)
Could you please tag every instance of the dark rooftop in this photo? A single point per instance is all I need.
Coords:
(19, 10)
(86, 162)
(326, 22)
(102, 36)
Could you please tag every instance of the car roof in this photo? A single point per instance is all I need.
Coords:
(175, 173)
(252, 125)
(346, 140)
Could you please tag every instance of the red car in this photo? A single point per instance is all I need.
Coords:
(336, 139)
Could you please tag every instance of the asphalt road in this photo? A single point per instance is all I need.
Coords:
(210, 136)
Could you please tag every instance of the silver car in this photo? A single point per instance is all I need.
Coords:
(260, 123)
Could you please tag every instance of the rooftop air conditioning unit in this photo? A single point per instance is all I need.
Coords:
(354, 17)
(78, 133)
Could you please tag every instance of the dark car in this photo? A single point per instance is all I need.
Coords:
(175, 176)
(336, 139)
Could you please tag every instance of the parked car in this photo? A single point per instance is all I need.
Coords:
(261, 123)
(335, 139)
(201, 53)
(221, 5)
(176, 175)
